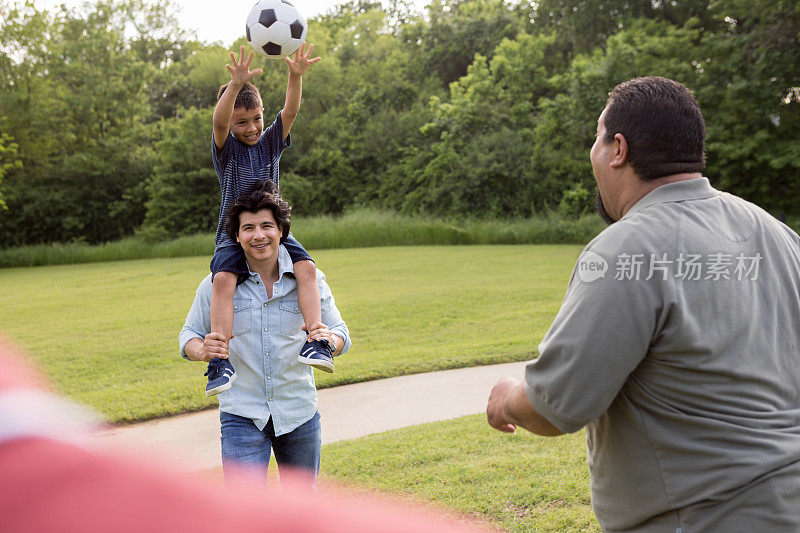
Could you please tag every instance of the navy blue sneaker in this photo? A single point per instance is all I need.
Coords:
(318, 354)
(221, 376)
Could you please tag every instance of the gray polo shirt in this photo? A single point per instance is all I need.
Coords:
(678, 347)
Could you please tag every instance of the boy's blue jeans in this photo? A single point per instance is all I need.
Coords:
(246, 449)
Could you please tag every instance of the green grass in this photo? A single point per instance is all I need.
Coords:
(122, 250)
(366, 228)
(357, 229)
(106, 333)
(520, 482)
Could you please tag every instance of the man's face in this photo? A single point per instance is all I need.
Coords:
(600, 156)
(247, 124)
(259, 235)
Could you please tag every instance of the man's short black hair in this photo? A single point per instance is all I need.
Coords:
(265, 196)
(248, 97)
(662, 123)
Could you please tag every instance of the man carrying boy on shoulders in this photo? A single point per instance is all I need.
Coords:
(273, 403)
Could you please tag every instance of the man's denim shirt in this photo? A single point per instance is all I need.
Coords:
(267, 340)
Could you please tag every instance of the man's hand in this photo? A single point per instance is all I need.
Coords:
(319, 331)
(240, 70)
(509, 407)
(301, 61)
(497, 409)
(215, 345)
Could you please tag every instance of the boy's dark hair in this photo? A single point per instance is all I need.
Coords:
(662, 123)
(248, 97)
(265, 196)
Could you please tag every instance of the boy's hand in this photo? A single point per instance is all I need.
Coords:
(240, 71)
(301, 62)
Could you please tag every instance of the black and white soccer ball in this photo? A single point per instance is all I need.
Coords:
(275, 28)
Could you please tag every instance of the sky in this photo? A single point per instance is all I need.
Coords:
(220, 20)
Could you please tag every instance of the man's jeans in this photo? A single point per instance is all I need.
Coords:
(246, 450)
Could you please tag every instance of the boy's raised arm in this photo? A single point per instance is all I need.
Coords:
(294, 90)
(240, 74)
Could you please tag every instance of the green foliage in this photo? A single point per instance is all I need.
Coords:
(575, 201)
(358, 228)
(583, 25)
(483, 108)
(183, 190)
(125, 249)
(8, 161)
(458, 29)
(750, 95)
(78, 108)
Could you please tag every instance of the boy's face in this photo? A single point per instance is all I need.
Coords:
(247, 124)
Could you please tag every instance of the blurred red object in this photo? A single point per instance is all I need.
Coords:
(50, 484)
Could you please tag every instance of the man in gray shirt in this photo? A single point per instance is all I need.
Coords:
(677, 345)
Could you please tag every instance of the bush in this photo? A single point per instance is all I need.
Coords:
(355, 229)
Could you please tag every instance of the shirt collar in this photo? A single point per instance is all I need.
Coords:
(285, 264)
(678, 191)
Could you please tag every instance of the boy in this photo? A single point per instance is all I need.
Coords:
(245, 154)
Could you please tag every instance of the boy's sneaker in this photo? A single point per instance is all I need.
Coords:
(318, 354)
(221, 376)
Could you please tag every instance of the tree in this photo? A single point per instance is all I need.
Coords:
(8, 161)
(514, 135)
(79, 105)
(183, 192)
(362, 104)
(751, 100)
(583, 25)
(459, 29)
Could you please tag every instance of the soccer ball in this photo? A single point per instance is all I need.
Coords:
(275, 29)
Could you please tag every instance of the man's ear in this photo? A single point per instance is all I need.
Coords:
(620, 156)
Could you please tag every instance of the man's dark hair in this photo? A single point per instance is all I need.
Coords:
(265, 196)
(661, 122)
(248, 97)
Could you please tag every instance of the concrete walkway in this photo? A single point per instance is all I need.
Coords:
(191, 442)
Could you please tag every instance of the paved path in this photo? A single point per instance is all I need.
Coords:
(191, 442)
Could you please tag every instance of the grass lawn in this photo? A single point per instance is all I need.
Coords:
(106, 333)
(462, 466)
(520, 482)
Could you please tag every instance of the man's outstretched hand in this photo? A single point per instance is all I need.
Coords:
(496, 410)
(509, 407)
